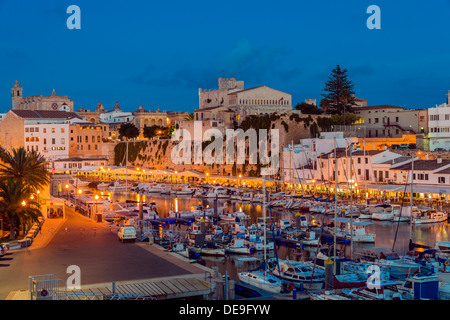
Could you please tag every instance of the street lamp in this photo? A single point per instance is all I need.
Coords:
(78, 192)
(96, 199)
(67, 191)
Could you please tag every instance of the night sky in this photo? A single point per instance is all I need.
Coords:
(158, 53)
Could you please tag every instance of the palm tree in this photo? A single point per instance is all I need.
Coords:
(28, 167)
(189, 117)
(16, 204)
(128, 130)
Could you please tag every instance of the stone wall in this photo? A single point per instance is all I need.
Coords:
(157, 153)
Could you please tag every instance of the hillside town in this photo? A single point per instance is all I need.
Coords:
(339, 171)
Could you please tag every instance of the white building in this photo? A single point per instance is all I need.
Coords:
(51, 139)
(309, 150)
(439, 126)
(116, 116)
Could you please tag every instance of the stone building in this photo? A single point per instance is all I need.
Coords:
(40, 130)
(392, 121)
(144, 118)
(39, 102)
(232, 96)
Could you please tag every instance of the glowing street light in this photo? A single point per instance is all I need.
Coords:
(24, 203)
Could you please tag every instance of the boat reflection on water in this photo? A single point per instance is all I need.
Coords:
(389, 234)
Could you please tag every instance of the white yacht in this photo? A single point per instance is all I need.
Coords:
(429, 216)
(382, 212)
(261, 280)
(300, 274)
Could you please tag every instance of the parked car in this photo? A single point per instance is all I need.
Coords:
(403, 146)
(3, 250)
(395, 146)
(127, 233)
(440, 149)
(412, 146)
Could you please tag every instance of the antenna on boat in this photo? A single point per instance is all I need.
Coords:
(335, 202)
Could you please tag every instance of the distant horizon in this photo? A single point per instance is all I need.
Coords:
(158, 54)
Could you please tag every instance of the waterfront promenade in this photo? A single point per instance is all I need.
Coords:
(95, 248)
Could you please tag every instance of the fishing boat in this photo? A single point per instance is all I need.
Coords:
(256, 240)
(184, 191)
(261, 280)
(246, 196)
(442, 245)
(217, 192)
(420, 288)
(258, 197)
(382, 212)
(385, 290)
(389, 260)
(103, 185)
(228, 217)
(117, 186)
(238, 246)
(351, 230)
(300, 274)
(429, 216)
(211, 249)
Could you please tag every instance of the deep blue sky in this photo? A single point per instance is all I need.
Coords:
(158, 53)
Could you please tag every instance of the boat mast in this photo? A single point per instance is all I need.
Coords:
(126, 170)
(335, 201)
(411, 198)
(265, 227)
(351, 203)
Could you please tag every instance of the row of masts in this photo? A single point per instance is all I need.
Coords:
(349, 147)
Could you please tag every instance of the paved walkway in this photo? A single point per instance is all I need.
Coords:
(92, 246)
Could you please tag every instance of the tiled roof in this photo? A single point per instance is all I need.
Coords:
(423, 165)
(381, 106)
(397, 160)
(46, 114)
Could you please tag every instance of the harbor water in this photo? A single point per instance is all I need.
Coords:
(388, 234)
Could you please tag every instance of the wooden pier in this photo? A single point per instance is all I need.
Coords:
(185, 287)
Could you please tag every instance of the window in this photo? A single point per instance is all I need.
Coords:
(27, 129)
(45, 141)
(63, 140)
(53, 130)
(53, 140)
(45, 130)
(62, 130)
(441, 179)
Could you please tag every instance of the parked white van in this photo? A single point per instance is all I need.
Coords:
(127, 233)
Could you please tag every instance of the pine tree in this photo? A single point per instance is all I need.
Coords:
(339, 98)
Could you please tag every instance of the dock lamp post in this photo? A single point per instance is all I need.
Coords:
(67, 191)
(96, 199)
(77, 201)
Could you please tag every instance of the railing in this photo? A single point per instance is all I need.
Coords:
(50, 287)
